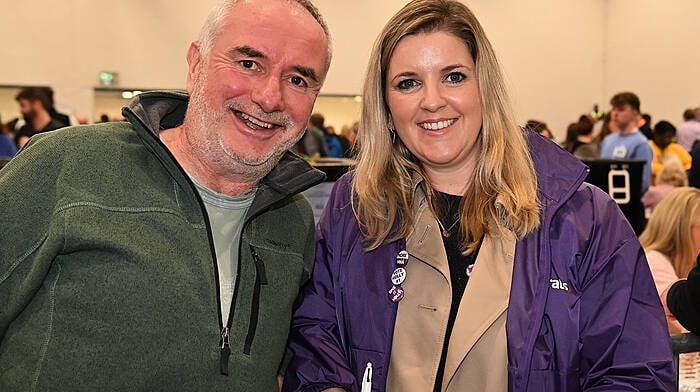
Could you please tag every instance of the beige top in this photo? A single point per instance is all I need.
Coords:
(477, 358)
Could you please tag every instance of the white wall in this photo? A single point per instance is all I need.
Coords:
(551, 51)
(560, 57)
(652, 49)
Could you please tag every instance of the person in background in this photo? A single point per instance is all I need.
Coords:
(669, 178)
(585, 146)
(51, 107)
(670, 240)
(539, 127)
(680, 299)
(349, 132)
(628, 142)
(689, 131)
(167, 252)
(345, 145)
(8, 148)
(81, 119)
(571, 136)
(312, 145)
(645, 126)
(606, 128)
(663, 147)
(33, 103)
(596, 113)
(335, 149)
(694, 172)
(464, 253)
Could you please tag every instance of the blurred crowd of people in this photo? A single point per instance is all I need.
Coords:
(37, 114)
(671, 153)
(322, 141)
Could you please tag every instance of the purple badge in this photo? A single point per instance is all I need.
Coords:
(396, 293)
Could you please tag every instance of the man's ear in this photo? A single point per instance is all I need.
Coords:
(38, 106)
(194, 61)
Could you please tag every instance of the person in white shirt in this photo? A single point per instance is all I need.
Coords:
(689, 131)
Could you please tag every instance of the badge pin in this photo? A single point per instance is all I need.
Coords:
(402, 258)
(396, 294)
(470, 268)
(398, 276)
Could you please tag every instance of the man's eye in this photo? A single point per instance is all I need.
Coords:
(407, 84)
(298, 81)
(250, 64)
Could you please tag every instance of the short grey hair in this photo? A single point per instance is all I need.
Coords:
(216, 18)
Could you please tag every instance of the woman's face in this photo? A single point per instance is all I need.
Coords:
(434, 103)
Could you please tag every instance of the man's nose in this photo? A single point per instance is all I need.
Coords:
(267, 93)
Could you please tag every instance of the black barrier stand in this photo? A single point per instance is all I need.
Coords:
(622, 180)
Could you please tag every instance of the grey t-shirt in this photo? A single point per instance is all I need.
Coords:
(226, 215)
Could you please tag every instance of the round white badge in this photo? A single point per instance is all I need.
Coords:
(398, 276)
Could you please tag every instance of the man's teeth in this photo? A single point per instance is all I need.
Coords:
(256, 121)
(434, 126)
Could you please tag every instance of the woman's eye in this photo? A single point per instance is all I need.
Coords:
(455, 77)
(407, 84)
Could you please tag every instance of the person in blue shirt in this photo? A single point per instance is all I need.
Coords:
(335, 149)
(8, 148)
(628, 142)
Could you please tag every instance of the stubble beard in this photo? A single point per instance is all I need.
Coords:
(210, 145)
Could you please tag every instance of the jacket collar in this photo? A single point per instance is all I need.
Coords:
(554, 186)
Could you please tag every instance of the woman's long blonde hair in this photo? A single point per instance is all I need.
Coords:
(669, 228)
(382, 186)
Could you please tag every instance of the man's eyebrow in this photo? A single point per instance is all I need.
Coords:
(248, 51)
(251, 52)
(307, 72)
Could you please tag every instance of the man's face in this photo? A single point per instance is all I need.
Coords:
(625, 118)
(252, 95)
(27, 109)
(663, 140)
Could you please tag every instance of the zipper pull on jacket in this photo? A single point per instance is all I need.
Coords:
(367, 378)
(225, 351)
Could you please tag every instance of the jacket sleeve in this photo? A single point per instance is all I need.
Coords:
(29, 237)
(623, 336)
(683, 300)
(319, 360)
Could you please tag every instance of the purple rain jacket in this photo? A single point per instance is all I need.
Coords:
(607, 332)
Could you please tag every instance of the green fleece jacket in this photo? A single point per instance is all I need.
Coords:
(108, 279)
